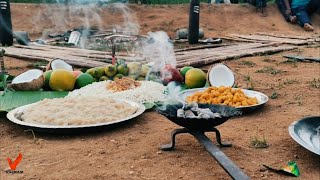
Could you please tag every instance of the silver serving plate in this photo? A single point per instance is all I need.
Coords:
(306, 132)
(67, 129)
(262, 98)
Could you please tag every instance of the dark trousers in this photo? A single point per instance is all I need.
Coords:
(258, 3)
(303, 12)
(282, 8)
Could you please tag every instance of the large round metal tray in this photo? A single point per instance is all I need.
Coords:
(70, 129)
(306, 132)
(262, 98)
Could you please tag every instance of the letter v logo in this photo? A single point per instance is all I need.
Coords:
(13, 165)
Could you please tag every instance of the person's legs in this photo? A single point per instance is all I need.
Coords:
(282, 8)
(303, 18)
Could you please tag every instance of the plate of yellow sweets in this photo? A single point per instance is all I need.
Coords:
(243, 99)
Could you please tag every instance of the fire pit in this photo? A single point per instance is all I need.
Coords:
(198, 126)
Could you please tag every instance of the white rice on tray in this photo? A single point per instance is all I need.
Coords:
(148, 92)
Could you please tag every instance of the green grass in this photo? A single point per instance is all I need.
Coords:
(247, 63)
(290, 81)
(269, 70)
(315, 83)
(259, 143)
(274, 95)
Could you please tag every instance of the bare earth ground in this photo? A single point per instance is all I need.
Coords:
(132, 151)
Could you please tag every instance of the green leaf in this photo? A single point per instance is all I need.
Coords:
(14, 99)
(3, 81)
(149, 105)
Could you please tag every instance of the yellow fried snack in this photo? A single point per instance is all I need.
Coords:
(222, 95)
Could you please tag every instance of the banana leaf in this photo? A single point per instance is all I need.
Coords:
(13, 99)
(149, 105)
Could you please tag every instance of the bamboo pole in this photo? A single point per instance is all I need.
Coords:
(206, 61)
(285, 36)
(272, 39)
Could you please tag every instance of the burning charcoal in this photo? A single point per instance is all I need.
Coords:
(189, 114)
(204, 116)
(208, 112)
(191, 105)
(180, 113)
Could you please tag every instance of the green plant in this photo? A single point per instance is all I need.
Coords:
(259, 143)
(292, 61)
(290, 81)
(274, 95)
(247, 78)
(40, 64)
(3, 82)
(247, 63)
(249, 83)
(315, 83)
(269, 70)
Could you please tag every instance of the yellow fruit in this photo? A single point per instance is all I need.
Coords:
(62, 80)
(195, 78)
(110, 70)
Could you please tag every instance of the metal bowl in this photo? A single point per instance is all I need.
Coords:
(306, 132)
(170, 112)
(262, 98)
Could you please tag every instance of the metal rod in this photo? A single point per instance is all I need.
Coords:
(233, 170)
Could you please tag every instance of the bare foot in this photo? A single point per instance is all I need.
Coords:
(293, 19)
(308, 27)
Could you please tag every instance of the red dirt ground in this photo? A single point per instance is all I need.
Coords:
(132, 151)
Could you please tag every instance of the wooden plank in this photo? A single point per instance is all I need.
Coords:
(78, 61)
(272, 39)
(220, 51)
(301, 58)
(202, 47)
(252, 52)
(231, 38)
(285, 36)
(67, 49)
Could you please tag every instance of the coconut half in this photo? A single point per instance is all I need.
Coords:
(59, 64)
(220, 75)
(31, 80)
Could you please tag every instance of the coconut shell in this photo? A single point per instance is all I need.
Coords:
(49, 67)
(208, 80)
(33, 85)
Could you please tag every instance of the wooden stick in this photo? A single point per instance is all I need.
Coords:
(301, 58)
(252, 52)
(201, 47)
(228, 37)
(271, 39)
(285, 36)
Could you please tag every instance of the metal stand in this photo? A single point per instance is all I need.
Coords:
(170, 146)
(233, 170)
